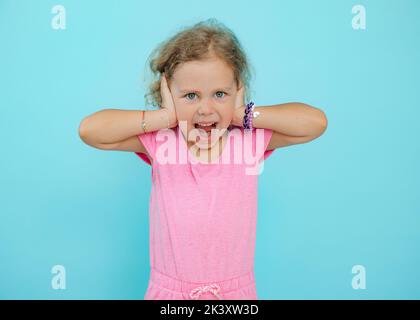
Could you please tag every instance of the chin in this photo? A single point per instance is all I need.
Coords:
(216, 136)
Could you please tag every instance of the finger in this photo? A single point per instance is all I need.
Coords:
(240, 99)
(165, 82)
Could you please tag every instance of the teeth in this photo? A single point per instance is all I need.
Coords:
(205, 125)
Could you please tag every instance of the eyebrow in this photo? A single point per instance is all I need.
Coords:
(192, 90)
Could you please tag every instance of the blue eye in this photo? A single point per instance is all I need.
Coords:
(188, 94)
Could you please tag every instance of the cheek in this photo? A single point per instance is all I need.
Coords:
(227, 113)
(183, 112)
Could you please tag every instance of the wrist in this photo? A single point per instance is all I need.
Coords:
(170, 119)
(238, 116)
(173, 121)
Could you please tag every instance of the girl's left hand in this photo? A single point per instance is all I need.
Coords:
(167, 101)
(239, 110)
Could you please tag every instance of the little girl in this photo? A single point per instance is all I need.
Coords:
(206, 148)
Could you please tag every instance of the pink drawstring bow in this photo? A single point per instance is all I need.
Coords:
(213, 288)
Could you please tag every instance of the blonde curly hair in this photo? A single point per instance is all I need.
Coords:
(198, 42)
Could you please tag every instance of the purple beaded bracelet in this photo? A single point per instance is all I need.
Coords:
(249, 111)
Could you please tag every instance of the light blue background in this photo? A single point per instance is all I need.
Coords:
(350, 197)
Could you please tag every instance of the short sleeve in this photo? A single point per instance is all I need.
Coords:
(268, 133)
(149, 142)
(260, 140)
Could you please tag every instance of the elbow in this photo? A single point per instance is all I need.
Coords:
(84, 130)
(324, 122)
(318, 119)
(88, 134)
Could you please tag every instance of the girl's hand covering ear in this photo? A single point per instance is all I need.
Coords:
(167, 101)
(240, 97)
(239, 111)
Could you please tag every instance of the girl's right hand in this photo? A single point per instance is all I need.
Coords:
(168, 102)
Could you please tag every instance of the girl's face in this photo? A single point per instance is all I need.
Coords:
(204, 92)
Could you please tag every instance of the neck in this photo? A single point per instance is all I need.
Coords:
(219, 144)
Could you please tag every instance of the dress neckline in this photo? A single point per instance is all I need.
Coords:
(201, 162)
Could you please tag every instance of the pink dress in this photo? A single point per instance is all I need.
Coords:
(203, 216)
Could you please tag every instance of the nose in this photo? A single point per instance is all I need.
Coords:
(205, 108)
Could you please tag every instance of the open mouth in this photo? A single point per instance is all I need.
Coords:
(206, 128)
(205, 125)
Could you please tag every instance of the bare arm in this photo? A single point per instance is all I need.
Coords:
(292, 123)
(114, 129)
